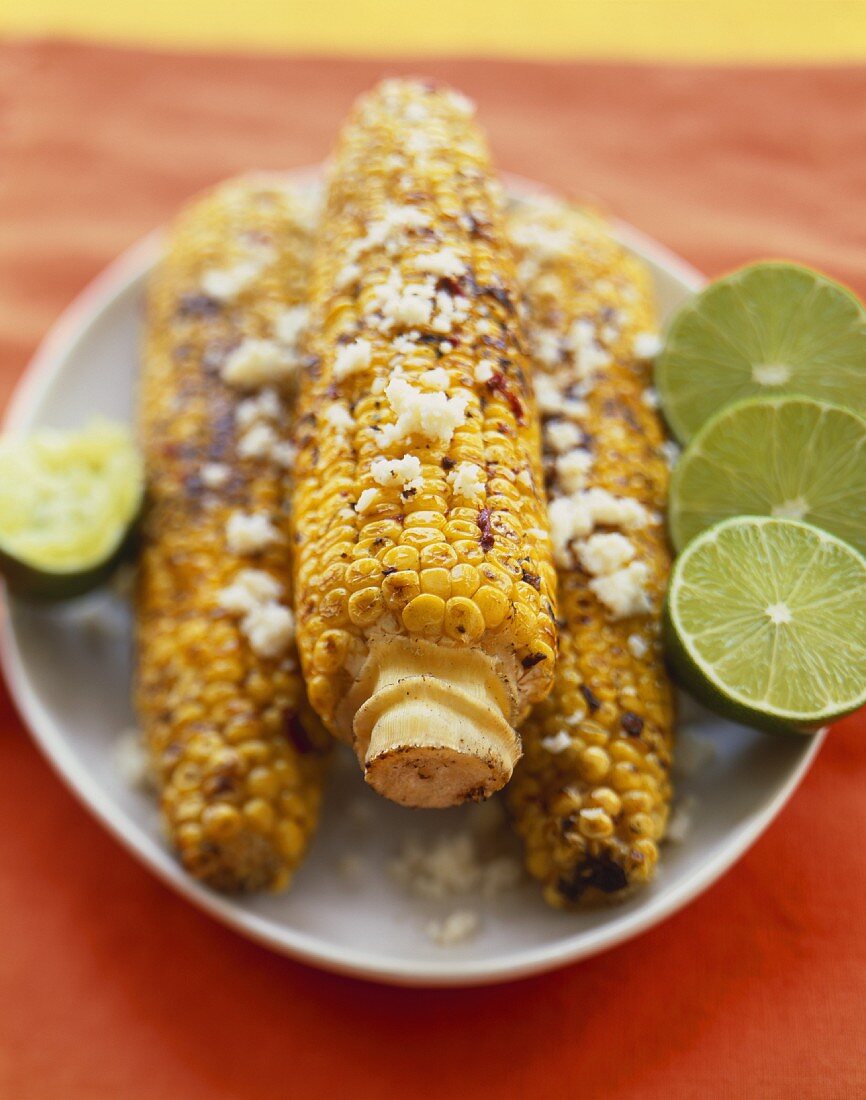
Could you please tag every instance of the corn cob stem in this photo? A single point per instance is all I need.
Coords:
(235, 748)
(591, 795)
(426, 722)
(423, 573)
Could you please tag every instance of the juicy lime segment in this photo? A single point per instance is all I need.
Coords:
(767, 329)
(766, 621)
(67, 502)
(788, 457)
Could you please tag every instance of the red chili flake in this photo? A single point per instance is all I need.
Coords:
(484, 526)
(532, 660)
(592, 700)
(499, 383)
(632, 723)
(448, 463)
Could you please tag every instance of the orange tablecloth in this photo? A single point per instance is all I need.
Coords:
(112, 987)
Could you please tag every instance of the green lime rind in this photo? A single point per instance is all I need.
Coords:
(69, 503)
(789, 457)
(768, 329)
(765, 622)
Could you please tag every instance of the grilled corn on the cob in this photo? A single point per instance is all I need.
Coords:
(235, 748)
(423, 576)
(590, 798)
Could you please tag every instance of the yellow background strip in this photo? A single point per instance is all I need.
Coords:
(681, 30)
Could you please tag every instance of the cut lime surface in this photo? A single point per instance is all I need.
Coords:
(765, 621)
(789, 457)
(68, 500)
(768, 329)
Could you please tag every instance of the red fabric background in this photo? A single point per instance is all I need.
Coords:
(110, 986)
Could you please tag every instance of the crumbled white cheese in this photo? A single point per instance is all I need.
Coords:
(406, 342)
(445, 262)
(366, 500)
(543, 242)
(289, 324)
(267, 625)
(225, 284)
(250, 588)
(338, 417)
(574, 410)
(638, 646)
(574, 517)
(557, 743)
(458, 926)
(248, 533)
(570, 518)
(445, 346)
(433, 415)
(347, 275)
(588, 356)
(647, 345)
(613, 511)
(269, 629)
(257, 362)
(437, 378)
(623, 593)
(133, 762)
(284, 454)
(265, 405)
(352, 358)
(670, 452)
(548, 395)
(460, 102)
(214, 475)
(604, 554)
(451, 310)
(395, 471)
(680, 822)
(547, 347)
(452, 865)
(413, 305)
(467, 481)
(562, 435)
(258, 441)
(572, 468)
(650, 397)
(484, 371)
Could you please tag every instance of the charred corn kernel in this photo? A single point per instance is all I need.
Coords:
(585, 302)
(229, 730)
(411, 254)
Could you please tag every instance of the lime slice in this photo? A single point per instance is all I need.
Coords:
(67, 503)
(765, 620)
(767, 329)
(789, 457)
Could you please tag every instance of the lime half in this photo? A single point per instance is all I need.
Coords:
(68, 500)
(765, 621)
(789, 457)
(768, 329)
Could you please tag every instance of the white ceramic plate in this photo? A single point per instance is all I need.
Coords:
(69, 671)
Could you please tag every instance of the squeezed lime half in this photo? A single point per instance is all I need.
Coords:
(789, 457)
(768, 329)
(68, 500)
(765, 620)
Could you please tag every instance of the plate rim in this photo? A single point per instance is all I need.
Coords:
(46, 364)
